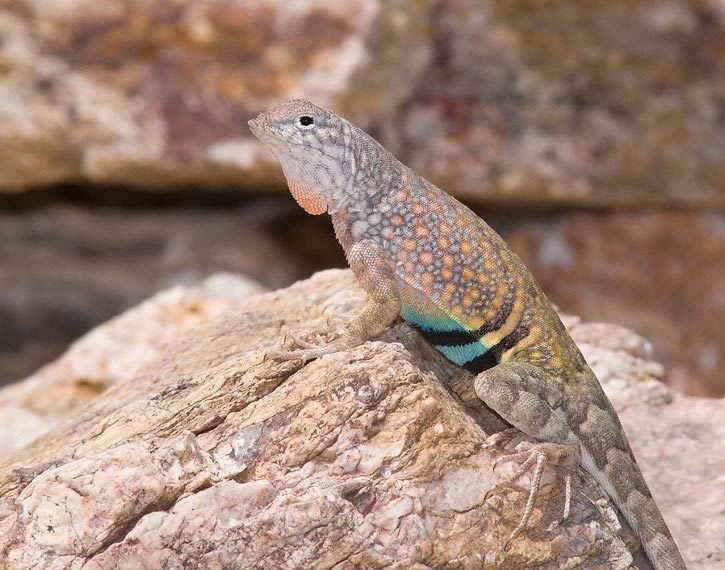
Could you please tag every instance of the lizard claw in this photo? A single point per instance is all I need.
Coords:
(337, 323)
(301, 348)
(536, 457)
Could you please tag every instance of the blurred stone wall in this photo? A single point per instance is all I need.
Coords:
(605, 102)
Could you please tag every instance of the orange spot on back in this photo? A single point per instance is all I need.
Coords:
(418, 209)
(408, 244)
(467, 273)
(472, 293)
(420, 229)
(426, 257)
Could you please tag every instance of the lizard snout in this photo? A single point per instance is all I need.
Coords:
(254, 124)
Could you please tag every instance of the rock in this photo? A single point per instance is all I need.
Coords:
(156, 94)
(604, 103)
(214, 455)
(112, 354)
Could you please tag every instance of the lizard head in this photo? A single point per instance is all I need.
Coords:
(313, 148)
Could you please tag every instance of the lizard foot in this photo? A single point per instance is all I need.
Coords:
(310, 346)
(537, 457)
(300, 347)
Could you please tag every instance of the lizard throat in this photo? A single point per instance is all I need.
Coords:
(312, 201)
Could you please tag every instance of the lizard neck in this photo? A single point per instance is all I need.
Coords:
(373, 173)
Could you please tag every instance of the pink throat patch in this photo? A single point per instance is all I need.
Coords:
(312, 201)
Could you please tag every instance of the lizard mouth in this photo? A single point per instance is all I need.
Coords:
(266, 132)
(260, 127)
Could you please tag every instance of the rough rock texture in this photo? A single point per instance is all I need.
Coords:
(212, 455)
(606, 102)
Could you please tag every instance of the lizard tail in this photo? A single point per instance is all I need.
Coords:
(623, 481)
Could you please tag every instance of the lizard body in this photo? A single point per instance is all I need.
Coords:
(421, 254)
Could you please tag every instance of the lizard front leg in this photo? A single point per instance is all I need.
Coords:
(376, 275)
(526, 397)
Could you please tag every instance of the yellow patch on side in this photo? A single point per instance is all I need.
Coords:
(532, 339)
(517, 310)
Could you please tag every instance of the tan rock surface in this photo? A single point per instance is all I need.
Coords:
(603, 102)
(111, 354)
(213, 456)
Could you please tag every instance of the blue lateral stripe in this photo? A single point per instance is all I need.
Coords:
(431, 322)
(463, 354)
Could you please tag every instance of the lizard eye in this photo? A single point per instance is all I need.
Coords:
(305, 122)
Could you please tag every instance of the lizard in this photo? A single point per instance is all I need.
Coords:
(422, 255)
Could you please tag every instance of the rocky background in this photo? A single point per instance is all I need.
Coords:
(592, 135)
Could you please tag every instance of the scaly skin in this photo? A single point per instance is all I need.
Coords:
(421, 254)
